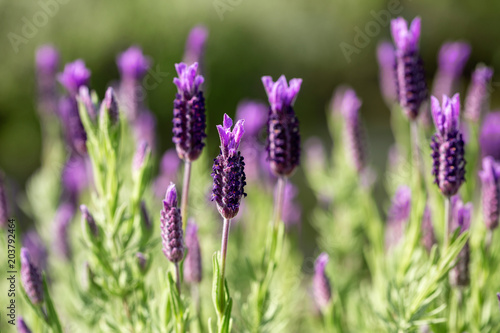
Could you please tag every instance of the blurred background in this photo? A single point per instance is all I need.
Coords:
(247, 39)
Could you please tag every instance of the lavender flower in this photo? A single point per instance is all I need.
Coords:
(459, 275)
(490, 178)
(410, 77)
(74, 177)
(447, 145)
(144, 128)
(387, 62)
(140, 154)
(35, 246)
(86, 99)
(321, 284)
(195, 45)
(88, 219)
(75, 135)
(192, 265)
(47, 62)
(228, 169)
(489, 138)
(4, 209)
(338, 99)
(169, 168)
(62, 220)
(478, 95)
(283, 142)
(428, 237)
(21, 326)
(255, 115)
(109, 107)
(452, 59)
(74, 76)
(171, 227)
(189, 113)
(31, 278)
(398, 216)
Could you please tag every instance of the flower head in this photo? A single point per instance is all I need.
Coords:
(490, 178)
(452, 59)
(192, 265)
(31, 278)
(171, 226)
(387, 62)
(35, 246)
(75, 134)
(489, 137)
(406, 39)
(281, 95)
(228, 169)
(21, 326)
(447, 145)
(47, 63)
(47, 59)
(195, 44)
(478, 95)
(133, 64)
(74, 177)
(74, 76)
(321, 284)
(188, 81)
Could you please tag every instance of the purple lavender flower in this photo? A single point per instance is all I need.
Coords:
(410, 77)
(192, 264)
(31, 278)
(21, 326)
(291, 210)
(86, 99)
(74, 76)
(447, 145)
(109, 107)
(74, 177)
(75, 135)
(321, 284)
(489, 138)
(133, 64)
(169, 168)
(228, 169)
(283, 141)
(171, 227)
(452, 59)
(398, 216)
(140, 154)
(490, 178)
(144, 128)
(478, 95)
(189, 113)
(35, 246)
(338, 99)
(4, 209)
(428, 237)
(387, 63)
(62, 220)
(47, 63)
(195, 45)
(353, 131)
(459, 275)
(88, 219)
(255, 115)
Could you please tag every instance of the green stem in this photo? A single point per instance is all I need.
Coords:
(278, 211)
(447, 216)
(225, 237)
(185, 192)
(177, 277)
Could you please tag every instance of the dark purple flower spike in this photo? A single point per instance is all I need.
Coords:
(195, 45)
(478, 95)
(31, 278)
(74, 76)
(489, 137)
(490, 179)
(47, 63)
(398, 216)
(451, 59)
(171, 226)
(459, 275)
(447, 145)
(192, 264)
(410, 76)
(386, 58)
(228, 169)
(321, 284)
(283, 142)
(189, 113)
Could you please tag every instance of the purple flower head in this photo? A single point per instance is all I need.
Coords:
(406, 39)
(141, 152)
(74, 177)
(144, 128)
(109, 107)
(85, 98)
(478, 95)
(74, 76)
(133, 64)
(189, 113)
(489, 138)
(47, 60)
(35, 246)
(283, 141)
(338, 99)
(321, 284)
(47, 63)
(447, 145)
(64, 216)
(228, 169)
(31, 278)
(75, 134)
(461, 215)
(255, 115)
(192, 265)
(169, 168)
(398, 216)
(21, 326)
(453, 56)
(88, 219)
(387, 62)
(195, 44)
(171, 226)
(4, 209)
(428, 237)
(490, 179)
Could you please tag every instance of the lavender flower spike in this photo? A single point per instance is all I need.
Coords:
(386, 58)
(447, 145)
(254, 114)
(410, 76)
(171, 226)
(459, 275)
(21, 326)
(478, 95)
(228, 169)
(490, 178)
(74, 76)
(4, 210)
(189, 113)
(195, 45)
(489, 138)
(398, 216)
(321, 284)
(31, 278)
(283, 142)
(452, 59)
(192, 265)
(47, 62)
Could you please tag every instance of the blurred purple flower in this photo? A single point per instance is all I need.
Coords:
(74, 76)
(477, 99)
(109, 107)
(255, 115)
(489, 137)
(73, 129)
(192, 264)
(35, 246)
(321, 284)
(398, 216)
(47, 63)
(387, 62)
(133, 64)
(21, 326)
(451, 59)
(490, 179)
(169, 169)
(461, 215)
(144, 128)
(64, 215)
(195, 45)
(75, 177)
(142, 261)
(140, 154)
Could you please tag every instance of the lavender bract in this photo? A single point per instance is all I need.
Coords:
(447, 145)
(387, 63)
(192, 265)
(195, 45)
(74, 76)
(171, 227)
(478, 95)
(228, 169)
(321, 284)
(459, 275)
(189, 113)
(489, 137)
(398, 215)
(47, 63)
(31, 278)
(410, 77)
(490, 179)
(283, 142)
(451, 59)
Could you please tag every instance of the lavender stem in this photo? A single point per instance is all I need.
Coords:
(278, 206)
(223, 251)
(185, 192)
(177, 277)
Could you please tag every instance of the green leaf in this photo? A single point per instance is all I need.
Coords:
(51, 312)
